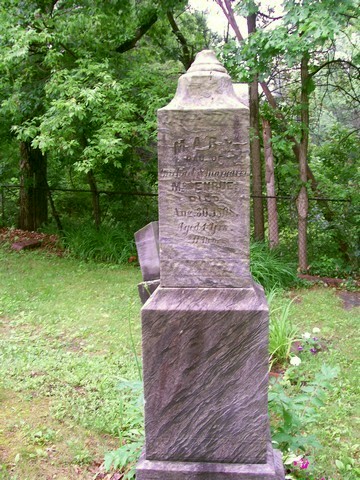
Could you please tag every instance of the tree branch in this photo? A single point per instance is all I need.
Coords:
(330, 62)
(186, 58)
(229, 14)
(139, 33)
(348, 135)
(269, 17)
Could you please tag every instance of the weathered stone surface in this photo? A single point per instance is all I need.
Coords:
(146, 289)
(206, 387)
(147, 245)
(204, 176)
(26, 245)
(205, 329)
(242, 92)
(162, 470)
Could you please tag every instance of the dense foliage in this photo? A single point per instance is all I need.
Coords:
(82, 80)
(308, 55)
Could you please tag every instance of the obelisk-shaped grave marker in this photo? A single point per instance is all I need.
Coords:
(205, 329)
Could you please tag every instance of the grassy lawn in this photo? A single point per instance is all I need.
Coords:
(66, 342)
(337, 424)
(70, 333)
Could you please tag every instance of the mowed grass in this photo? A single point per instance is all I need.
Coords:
(337, 425)
(70, 333)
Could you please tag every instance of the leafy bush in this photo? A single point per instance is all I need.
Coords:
(294, 408)
(109, 244)
(282, 332)
(270, 268)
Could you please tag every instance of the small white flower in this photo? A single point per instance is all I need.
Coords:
(295, 361)
(306, 335)
(316, 330)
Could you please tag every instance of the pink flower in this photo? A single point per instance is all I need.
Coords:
(304, 463)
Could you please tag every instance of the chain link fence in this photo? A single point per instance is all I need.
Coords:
(332, 231)
(331, 223)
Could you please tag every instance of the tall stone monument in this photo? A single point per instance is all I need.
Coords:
(205, 329)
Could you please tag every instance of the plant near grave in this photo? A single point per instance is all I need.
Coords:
(269, 268)
(293, 415)
(310, 343)
(131, 421)
(109, 244)
(281, 330)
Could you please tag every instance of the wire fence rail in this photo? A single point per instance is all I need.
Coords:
(330, 220)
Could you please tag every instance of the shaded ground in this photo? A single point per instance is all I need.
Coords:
(331, 282)
(350, 299)
(50, 243)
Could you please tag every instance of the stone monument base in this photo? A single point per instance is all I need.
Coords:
(163, 470)
(205, 354)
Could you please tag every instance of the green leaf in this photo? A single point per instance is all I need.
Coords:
(339, 464)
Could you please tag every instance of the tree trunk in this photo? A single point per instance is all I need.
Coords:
(33, 188)
(95, 198)
(255, 151)
(270, 186)
(302, 200)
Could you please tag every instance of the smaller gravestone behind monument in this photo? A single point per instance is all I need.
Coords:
(147, 244)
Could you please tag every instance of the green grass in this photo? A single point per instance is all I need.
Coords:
(337, 422)
(65, 346)
(70, 334)
(282, 332)
(270, 268)
(110, 243)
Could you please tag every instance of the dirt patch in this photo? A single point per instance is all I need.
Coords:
(35, 445)
(350, 299)
(44, 241)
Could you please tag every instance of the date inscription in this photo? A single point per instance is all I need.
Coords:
(204, 177)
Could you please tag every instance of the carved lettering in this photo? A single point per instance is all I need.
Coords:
(193, 172)
(196, 143)
(179, 146)
(209, 228)
(196, 239)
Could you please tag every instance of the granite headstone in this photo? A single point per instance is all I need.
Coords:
(147, 245)
(205, 329)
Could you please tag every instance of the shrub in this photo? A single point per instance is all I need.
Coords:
(270, 268)
(108, 244)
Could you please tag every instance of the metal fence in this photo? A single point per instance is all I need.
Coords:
(75, 205)
(331, 224)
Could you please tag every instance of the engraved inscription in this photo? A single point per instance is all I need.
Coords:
(205, 212)
(181, 172)
(204, 174)
(204, 188)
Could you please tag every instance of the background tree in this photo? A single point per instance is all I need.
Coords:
(84, 80)
(303, 44)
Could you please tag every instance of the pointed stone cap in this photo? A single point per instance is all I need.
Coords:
(206, 61)
(206, 85)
